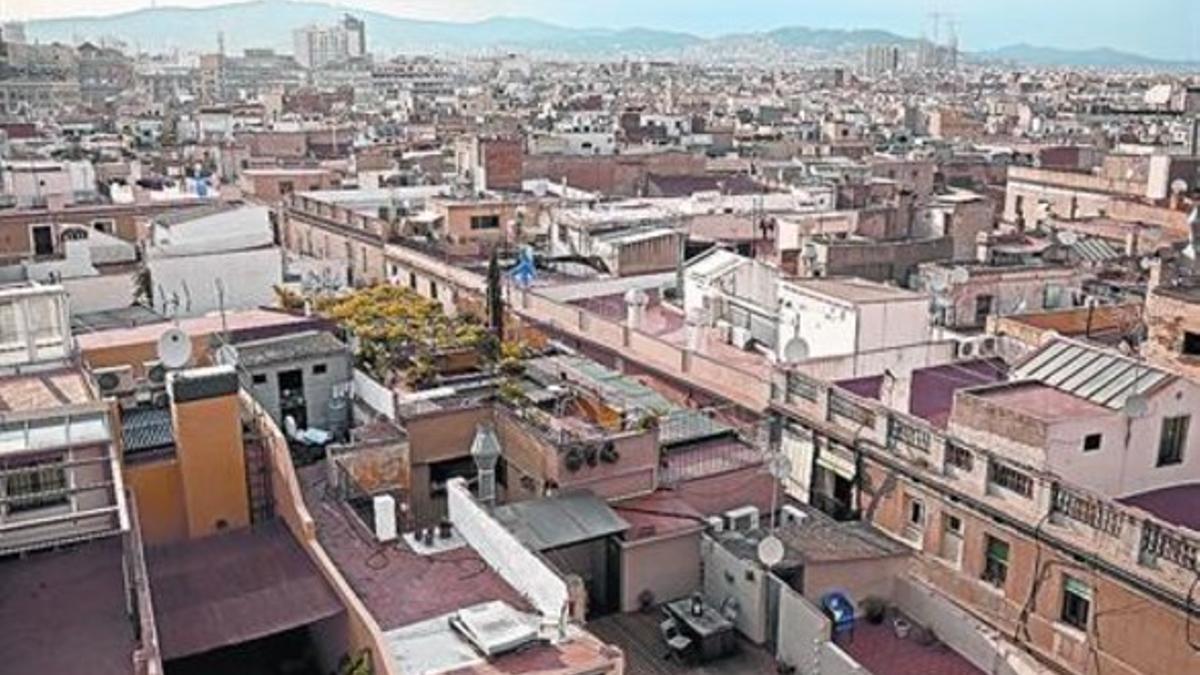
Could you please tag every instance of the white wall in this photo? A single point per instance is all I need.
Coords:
(726, 575)
(248, 277)
(381, 399)
(100, 293)
(829, 328)
(503, 552)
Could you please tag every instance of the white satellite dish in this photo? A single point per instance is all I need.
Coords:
(796, 350)
(174, 348)
(960, 275)
(1136, 406)
(1179, 186)
(770, 551)
(1067, 237)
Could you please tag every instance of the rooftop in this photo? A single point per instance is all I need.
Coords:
(1178, 505)
(64, 612)
(289, 348)
(856, 291)
(246, 321)
(557, 522)
(43, 391)
(1041, 402)
(1102, 376)
(235, 587)
(877, 649)
(398, 586)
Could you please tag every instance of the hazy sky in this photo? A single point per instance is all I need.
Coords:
(1166, 28)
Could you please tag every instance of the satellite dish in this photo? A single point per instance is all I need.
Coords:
(1136, 406)
(937, 284)
(1179, 186)
(960, 275)
(796, 350)
(1067, 237)
(174, 348)
(770, 551)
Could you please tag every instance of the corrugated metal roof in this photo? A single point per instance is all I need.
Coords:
(1093, 373)
(555, 522)
(1094, 249)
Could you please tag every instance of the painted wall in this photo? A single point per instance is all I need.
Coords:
(208, 440)
(503, 552)
(668, 567)
(159, 490)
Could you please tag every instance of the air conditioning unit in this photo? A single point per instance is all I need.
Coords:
(740, 337)
(791, 515)
(156, 373)
(987, 346)
(716, 524)
(967, 349)
(742, 519)
(115, 381)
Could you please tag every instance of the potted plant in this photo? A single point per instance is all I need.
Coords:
(873, 610)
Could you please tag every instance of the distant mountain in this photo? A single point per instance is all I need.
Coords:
(1100, 57)
(269, 23)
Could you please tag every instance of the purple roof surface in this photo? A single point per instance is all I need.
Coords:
(1178, 505)
(932, 392)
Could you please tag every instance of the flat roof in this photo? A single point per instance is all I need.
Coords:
(288, 348)
(64, 612)
(399, 586)
(854, 290)
(48, 390)
(557, 522)
(1178, 504)
(1041, 401)
(194, 326)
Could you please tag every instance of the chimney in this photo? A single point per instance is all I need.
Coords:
(206, 417)
(485, 450)
(635, 307)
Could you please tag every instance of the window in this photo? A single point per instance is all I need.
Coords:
(319, 369)
(433, 292)
(958, 457)
(1191, 344)
(485, 222)
(260, 378)
(106, 225)
(1004, 476)
(983, 309)
(952, 538)
(916, 512)
(412, 280)
(995, 561)
(1092, 442)
(1173, 439)
(36, 486)
(1076, 603)
(914, 518)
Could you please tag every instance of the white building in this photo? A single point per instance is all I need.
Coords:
(834, 317)
(211, 259)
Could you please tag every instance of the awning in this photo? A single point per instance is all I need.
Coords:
(557, 522)
(232, 588)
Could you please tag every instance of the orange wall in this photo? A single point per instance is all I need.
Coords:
(159, 497)
(208, 439)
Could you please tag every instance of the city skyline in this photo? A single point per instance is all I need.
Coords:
(1166, 29)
